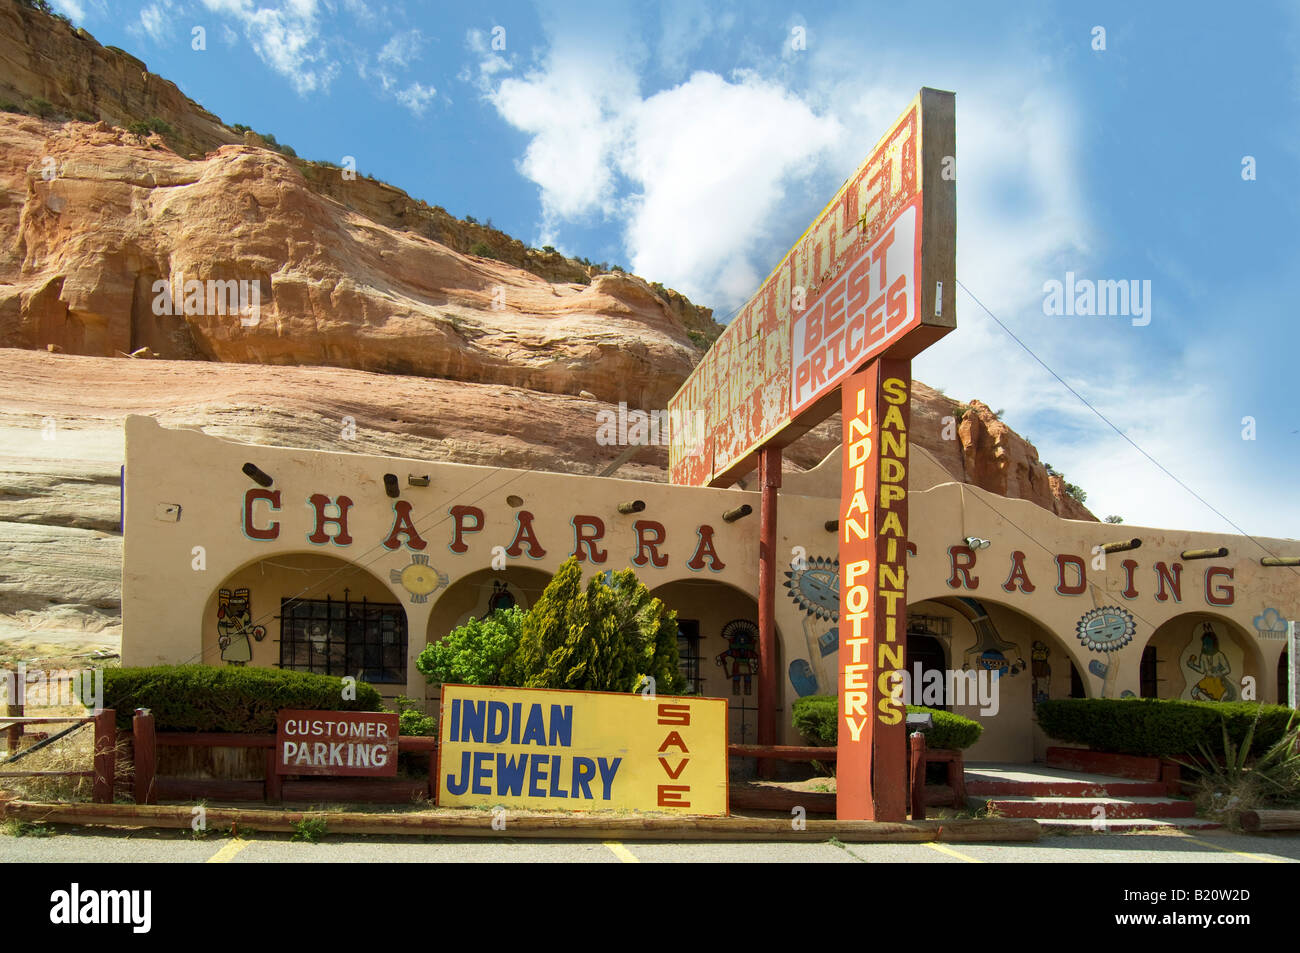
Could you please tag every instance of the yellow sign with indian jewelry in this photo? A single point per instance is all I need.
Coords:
(581, 751)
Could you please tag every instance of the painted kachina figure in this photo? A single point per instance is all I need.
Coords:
(234, 626)
(501, 598)
(1040, 670)
(741, 655)
(1213, 665)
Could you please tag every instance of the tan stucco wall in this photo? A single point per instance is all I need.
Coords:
(168, 604)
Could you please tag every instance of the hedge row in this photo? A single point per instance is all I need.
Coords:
(214, 698)
(816, 717)
(1159, 727)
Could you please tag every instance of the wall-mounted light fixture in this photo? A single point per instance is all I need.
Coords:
(391, 486)
(414, 480)
(739, 512)
(974, 542)
(257, 476)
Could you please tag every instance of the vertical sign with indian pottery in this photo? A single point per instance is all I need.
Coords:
(871, 758)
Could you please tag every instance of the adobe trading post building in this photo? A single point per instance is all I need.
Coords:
(875, 562)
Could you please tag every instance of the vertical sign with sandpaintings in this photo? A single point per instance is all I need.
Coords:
(871, 757)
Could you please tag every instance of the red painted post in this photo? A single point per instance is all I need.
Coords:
(145, 755)
(274, 787)
(433, 775)
(769, 479)
(105, 756)
(917, 775)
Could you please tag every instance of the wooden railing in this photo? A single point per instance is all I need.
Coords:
(272, 788)
(103, 758)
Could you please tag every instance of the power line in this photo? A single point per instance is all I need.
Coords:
(1104, 419)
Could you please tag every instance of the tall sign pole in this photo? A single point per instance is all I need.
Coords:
(833, 328)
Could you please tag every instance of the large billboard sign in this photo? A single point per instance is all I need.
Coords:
(874, 275)
(542, 749)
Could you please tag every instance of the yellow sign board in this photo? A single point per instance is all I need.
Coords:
(542, 749)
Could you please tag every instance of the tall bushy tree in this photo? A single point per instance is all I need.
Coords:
(606, 638)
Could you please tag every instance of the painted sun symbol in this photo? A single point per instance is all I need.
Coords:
(1106, 629)
(419, 578)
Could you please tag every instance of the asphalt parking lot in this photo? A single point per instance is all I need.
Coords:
(75, 845)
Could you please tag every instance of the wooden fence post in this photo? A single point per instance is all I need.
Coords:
(14, 733)
(105, 755)
(274, 787)
(145, 754)
(917, 774)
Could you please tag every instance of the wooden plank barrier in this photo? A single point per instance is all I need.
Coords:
(579, 826)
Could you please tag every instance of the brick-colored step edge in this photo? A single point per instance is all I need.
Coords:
(479, 824)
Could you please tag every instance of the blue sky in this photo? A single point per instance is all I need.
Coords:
(692, 143)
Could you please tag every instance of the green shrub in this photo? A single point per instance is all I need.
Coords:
(472, 654)
(816, 718)
(9, 106)
(482, 249)
(1158, 727)
(412, 720)
(40, 107)
(151, 125)
(225, 698)
(606, 638)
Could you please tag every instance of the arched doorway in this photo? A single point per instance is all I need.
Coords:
(309, 612)
(479, 593)
(1201, 656)
(717, 643)
(996, 663)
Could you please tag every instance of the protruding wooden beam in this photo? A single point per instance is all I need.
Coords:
(832, 526)
(734, 514)
(1122, 546)
(631, 506)
(258, 476)
(1204, 553)
(1280, 561)
(391, 486)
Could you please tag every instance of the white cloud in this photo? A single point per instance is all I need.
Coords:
(155, 19)
(72, 8)
(713, 159)
(287, 38)
(402, 49)
(416, 96)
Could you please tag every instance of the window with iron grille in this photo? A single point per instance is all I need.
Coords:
(344, 637)
(688, 655)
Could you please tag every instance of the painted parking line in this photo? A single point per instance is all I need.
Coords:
(228, 851)
(1240, 853)
(621, 852)
(952, 853)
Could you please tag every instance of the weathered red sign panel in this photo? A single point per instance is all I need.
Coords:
(336, 743)
(871, 767)
(874, 274)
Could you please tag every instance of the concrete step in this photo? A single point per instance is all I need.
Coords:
(1115, 787)
(1120, 825)
(1086, 807)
